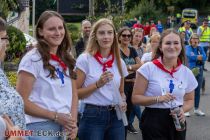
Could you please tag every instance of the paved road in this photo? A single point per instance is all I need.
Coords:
(198, 127)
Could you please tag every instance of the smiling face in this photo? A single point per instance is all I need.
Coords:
(171, 46)
(53, 31)
(125, 37)
(105, 36)
(137, 37)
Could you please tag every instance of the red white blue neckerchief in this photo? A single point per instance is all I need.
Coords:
(108, 63)
(58, 71)
(158, 63)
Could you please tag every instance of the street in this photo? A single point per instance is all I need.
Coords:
(198, 127)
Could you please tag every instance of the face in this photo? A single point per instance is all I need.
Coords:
(194, 41)
(205, 24)
(154, 43)
(125, 37)
(137, 37)
(171, 46)
(3, 44)
(105, 36)
(53, 31)
(86, 28)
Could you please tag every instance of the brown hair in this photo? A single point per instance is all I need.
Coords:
(3, 24)
(159, 53)
(93, 47)
(64, 48)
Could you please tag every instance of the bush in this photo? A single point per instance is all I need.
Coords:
(17, 43)
(74, 31)
(12, 77)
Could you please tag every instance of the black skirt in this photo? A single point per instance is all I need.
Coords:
(157, 124)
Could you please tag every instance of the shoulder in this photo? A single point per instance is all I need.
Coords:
(33, 55)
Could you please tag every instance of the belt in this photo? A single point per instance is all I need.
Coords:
(108, 107)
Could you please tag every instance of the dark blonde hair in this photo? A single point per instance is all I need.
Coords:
(93, 47)
(159, 53)
(64, 48)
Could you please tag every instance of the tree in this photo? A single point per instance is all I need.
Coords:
(8, 5)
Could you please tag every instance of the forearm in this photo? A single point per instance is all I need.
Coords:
(36, 111)
(135, 66)
(74, 106)
(144, 100)
(188, 105)
(86, 91)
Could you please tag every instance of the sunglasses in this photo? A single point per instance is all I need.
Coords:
(124, 36)
(5, 38)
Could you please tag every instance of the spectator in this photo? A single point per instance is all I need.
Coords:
(159, 26)
(82, 43)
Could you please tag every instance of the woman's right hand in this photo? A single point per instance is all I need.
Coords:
(166, 98)
(104, 78)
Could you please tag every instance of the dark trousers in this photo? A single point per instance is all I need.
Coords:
(157, 124)
(128, 88)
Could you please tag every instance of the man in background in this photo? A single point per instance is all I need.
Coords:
(81, 44)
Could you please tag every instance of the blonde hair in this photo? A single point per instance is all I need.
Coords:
(93, 47)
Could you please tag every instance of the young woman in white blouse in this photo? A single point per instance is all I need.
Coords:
(100, 78)
(46, 81)
(163, 84)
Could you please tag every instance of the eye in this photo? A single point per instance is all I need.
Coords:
(101, 32)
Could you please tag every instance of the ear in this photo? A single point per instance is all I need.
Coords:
(40, 31)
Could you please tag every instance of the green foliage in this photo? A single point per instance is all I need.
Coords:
(74, 31)
(17, 43)
(147, 10)
(12, 77)
(6, 6)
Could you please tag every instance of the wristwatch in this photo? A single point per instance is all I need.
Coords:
(129, 67)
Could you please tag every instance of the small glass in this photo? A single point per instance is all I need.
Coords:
(180, 126)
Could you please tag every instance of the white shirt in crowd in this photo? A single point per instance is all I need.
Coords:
(183, 79)
(146, 57)
(93, 70)
(47, 92)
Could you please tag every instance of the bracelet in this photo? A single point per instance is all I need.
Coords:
(157, 99)
(97, 85)
(56, 117)
(129, 66)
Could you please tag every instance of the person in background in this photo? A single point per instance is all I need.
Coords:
(188, 31)
(146, 28)
(137, 41)
(161, 85)
(203, 32)
(11, 103)
(159, 26)
(151, 48)
(133, 62)
(196, 58)
(46, 80)
(152, 24)
(82, 43)
(138, 25)
(100, 78)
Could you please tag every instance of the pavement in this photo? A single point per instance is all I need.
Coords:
(198, 127)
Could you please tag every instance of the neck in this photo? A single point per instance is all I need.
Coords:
(53, 50)
(105, 52)
(169, 63)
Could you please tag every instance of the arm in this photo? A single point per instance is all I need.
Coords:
(190, 54)
(84, 92)
(74, 101)
(24, 86)
(139, 89)
(188, 101)
(137, 65)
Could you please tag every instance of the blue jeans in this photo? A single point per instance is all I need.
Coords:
(135, 112)
(42, 130)
(99, 123)
(199, 79)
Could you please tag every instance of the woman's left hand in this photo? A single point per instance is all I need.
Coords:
(181, 115)
(72, 132)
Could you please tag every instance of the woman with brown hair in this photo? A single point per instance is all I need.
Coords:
(100, 79)
(163, 85)
(46, 80)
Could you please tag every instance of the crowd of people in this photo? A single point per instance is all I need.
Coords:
(115, 74)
